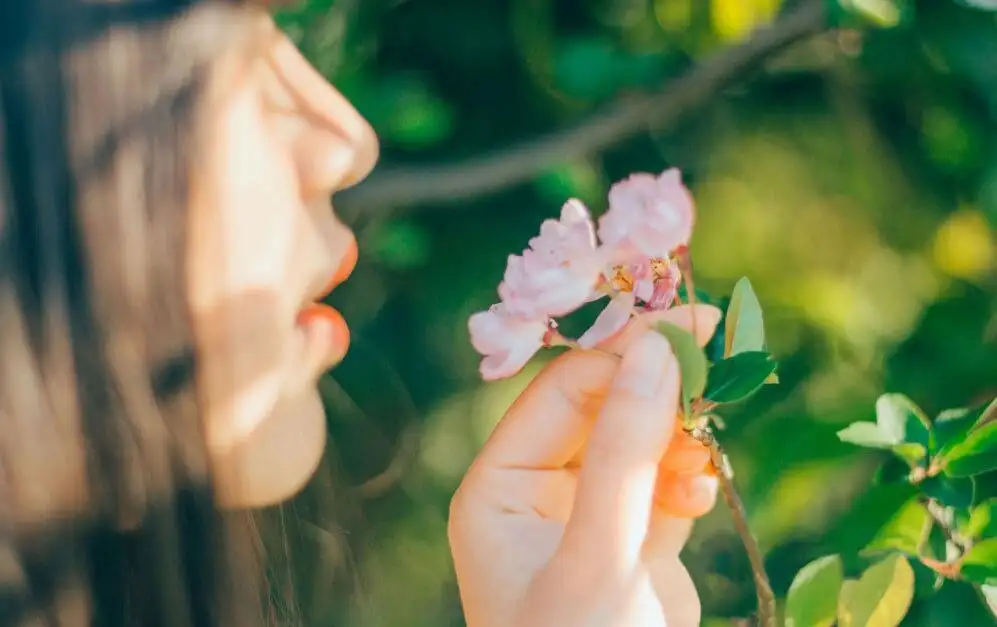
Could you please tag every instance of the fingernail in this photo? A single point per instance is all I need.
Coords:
(645, 366)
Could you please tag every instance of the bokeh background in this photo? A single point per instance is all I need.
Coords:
(853, 178)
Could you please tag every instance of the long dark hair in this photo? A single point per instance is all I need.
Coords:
(107, 516)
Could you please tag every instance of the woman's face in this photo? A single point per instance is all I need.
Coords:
(265, 246)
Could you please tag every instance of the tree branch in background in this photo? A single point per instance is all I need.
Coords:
(401, 187)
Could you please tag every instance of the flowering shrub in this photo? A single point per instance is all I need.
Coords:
(648, 223)
(637, 257)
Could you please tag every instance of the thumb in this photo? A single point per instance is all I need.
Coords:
(616, 483)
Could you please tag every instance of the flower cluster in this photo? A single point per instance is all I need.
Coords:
(633, 261)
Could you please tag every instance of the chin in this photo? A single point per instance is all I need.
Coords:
(274, 462)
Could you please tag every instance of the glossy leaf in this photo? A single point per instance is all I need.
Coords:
(867, 434)
(880, 597)
(744, 329)
(893, 470)
(982, 5)
(691, 359)
(982, 521)
(738, 377)
(900, 427)
(876, 13)
(950, 491)
(902, 532)
(989, 593)
(974, 455)
(812, 600)
(952, 426)
(870, 513)
(702, 297)
(897, 414)
(979, 565)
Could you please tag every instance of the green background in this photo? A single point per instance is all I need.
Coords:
(852, 178)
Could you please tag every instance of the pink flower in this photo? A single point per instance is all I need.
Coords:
(647, 214)
(613, 318)
(649, 220)
(665, 279)
(505, 340)
(558, 272)
(653, 282)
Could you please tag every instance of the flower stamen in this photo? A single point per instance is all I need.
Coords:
(622, 280)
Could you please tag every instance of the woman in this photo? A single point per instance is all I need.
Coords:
(165, 231)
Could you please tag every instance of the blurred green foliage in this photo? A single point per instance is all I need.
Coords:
(853, 179)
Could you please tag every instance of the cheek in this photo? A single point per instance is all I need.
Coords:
(246, 220)
(258, 204)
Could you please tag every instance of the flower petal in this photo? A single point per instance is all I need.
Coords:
(613, 318)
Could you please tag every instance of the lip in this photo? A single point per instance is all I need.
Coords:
(324, 327)
(347, 264)
(326, 333)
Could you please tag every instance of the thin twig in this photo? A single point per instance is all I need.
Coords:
(685, 267)
(401, 186)
(763, 588)
(952, 536)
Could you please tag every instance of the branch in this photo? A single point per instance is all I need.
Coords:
(401, 187)
(763, 588)
(938, 516)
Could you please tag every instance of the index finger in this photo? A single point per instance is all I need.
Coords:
(548, 424)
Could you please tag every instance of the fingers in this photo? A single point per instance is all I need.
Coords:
(685, 495)
(548, 424)
(616, 483)
(702, 318)
(685, 454)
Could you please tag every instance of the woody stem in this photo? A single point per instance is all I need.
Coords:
(763, 588)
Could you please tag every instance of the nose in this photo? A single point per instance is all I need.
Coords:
(335, 146)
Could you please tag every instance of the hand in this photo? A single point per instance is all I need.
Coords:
(575, 511)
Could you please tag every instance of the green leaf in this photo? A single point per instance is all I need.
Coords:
(692, 361)
(979, 565)
(702, 297)
(974, 455)
(867, 434)
(980, 5)
(902, 532)
(869, 514)
(744, 330)
(875, 13)
(812, 600)
(900, 427)
(989, 594)
(899, 416)
(893, 470)
(982, 521)
(953, 425)
(950, 491)
(880, 597)
(738, 377)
